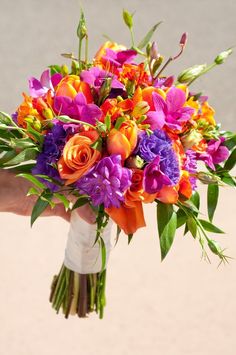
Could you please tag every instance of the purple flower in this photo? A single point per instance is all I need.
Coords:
(152, 145)
(163, 167)
(106, 182)
(38, 88)
(53, 145)
(77, 108)
(169, 112)
(216, 153)
(190, 165)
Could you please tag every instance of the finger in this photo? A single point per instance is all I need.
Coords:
(87, 214)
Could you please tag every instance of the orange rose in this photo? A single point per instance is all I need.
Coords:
(124, 140)
(78, 156)
(70, 85)
(136, 191)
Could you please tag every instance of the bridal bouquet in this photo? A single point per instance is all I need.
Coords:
(116, 133)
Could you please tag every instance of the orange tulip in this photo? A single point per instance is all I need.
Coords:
(78, 156)
(124, 140)
(70, 85)
(129, 219)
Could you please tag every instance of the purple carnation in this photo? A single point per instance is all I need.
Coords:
(106, 182)
(163, 167)
(152, 145)
(53, 145)
(190, 165)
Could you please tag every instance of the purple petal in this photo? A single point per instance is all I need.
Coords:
(56, 78)
(35, 87)
(155, 120)
(80, 99)
(46, 79)
(220, 155)
(90, 113)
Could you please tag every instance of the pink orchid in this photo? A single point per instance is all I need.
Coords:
(38, 88)
(170, 112)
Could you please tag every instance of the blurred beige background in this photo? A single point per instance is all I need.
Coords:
(183, 306)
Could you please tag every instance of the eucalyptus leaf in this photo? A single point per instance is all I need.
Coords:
(209, 227)
(167, 223)
(212, 199)
(148, 36)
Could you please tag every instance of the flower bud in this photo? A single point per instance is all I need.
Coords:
(154, 51)
(169, 81)
(214, 247)
(128, 19)
(140, 109)
(190, 139)
(81, 29)
(47, 113)
(183, 40)
(64, 70)
(207, 178)
(191, 73)
(220, 59)
(134, 162)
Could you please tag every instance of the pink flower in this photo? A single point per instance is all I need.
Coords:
(38, 88)
(216, 153)
(171, 111)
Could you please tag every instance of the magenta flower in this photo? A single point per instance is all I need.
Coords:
(38, 88)
(95, 77)
(155, 177)
(170, 112)
(117, 59)
(77, 108)
(216, 153)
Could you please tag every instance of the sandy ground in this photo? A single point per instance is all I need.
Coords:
(183, 306)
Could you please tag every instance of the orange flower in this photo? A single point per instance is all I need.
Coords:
(136, 192)
(168, 194)
(70, 85)
(78, 156)
(184, 187)
(129, 219)
(124, 140)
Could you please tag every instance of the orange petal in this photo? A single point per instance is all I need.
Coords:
(129, 219)
(168, 194)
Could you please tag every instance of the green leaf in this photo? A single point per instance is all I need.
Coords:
(37, 135)
(5, 118)
(23, 156)
(97, 145)
(231, 142)
(21, 169)
(212, 200)
(39, 208)
(55, 69)
(148, 36)
(191, 206)
(63, 199)
(33, 180)
(82, 200)
(167, 223)
(130, 236)
(22, 143)
(108, 122)
(231, 161)
(192, 226)
(229, 180)
(33, 191)
(119, 122)
(181, 218)
(7, 157)
(209, 227)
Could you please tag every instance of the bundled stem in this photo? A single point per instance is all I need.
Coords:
(79, 294)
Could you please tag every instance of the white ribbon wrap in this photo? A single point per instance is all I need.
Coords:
(81, 255)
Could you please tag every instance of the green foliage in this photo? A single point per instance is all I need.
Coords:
(167, 224)
(148, 36)
(212, 199)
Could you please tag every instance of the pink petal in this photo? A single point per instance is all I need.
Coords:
(175, 99)
(45, 79)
